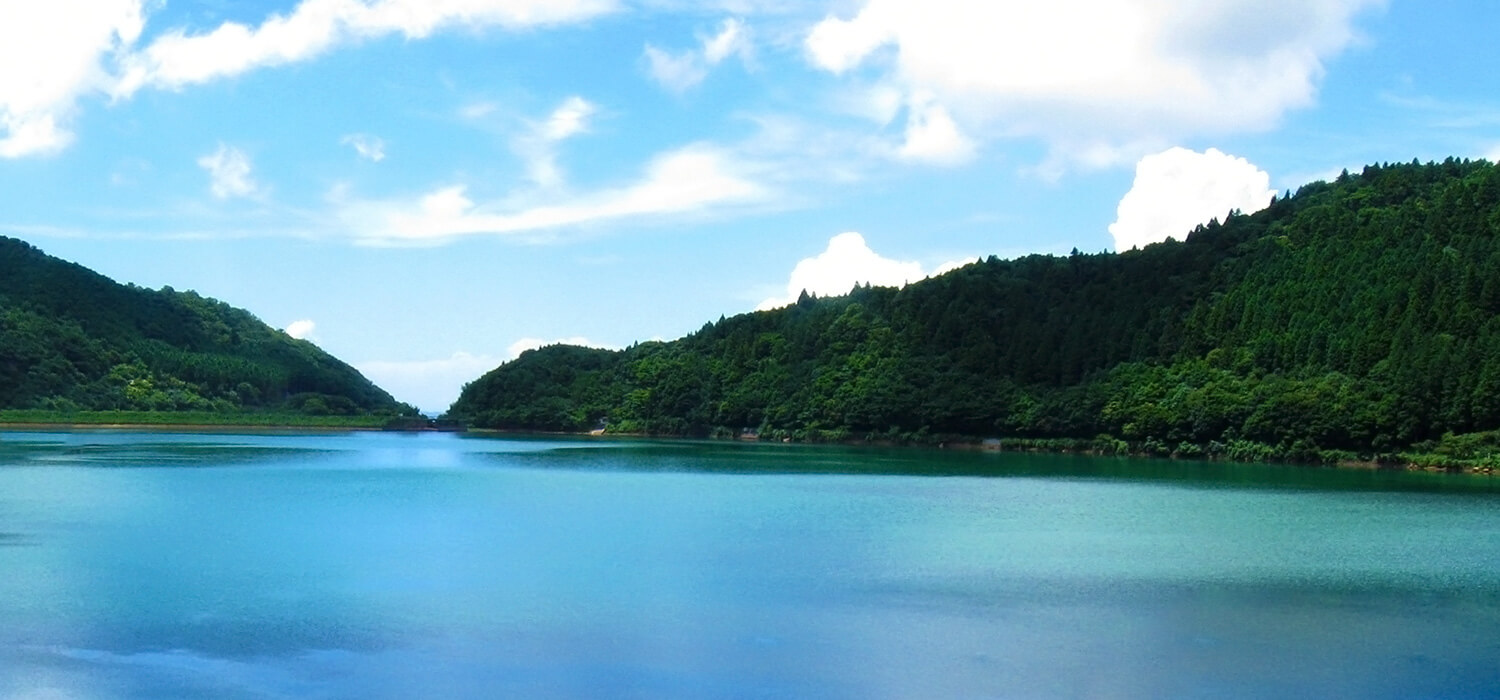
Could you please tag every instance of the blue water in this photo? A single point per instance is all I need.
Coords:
(158, 565)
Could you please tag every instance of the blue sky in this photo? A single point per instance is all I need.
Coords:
(426, 187)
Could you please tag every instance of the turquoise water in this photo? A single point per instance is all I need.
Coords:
(393, 566)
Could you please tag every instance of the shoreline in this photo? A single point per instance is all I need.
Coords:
(1405, 464)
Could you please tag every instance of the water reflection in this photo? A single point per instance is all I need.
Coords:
(374, 565)
(760, 458)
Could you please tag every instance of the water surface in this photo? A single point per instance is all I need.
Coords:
(378, 565)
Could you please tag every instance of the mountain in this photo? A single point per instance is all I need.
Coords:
(1360, 315)
(72, 339)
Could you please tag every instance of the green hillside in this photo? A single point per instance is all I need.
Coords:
(74, 340)
(1358, 315)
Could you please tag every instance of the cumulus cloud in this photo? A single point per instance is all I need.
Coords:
(846, 262)
(679, 71)
(1089, 77)
(51, 53)
(1493, 155)
(933, 137)
(371, 148)
(301, 330)
(1178, 189)
(228, 172)
(687, 180)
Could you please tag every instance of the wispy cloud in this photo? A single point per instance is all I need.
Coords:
(228, 172)
(176, 58)
(371, 148)
(679, 71)
(538, 144)
(54, 53)
(687, 180)
(1446, 114)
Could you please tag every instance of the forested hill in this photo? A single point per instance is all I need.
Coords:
(72, 339)
(1356, 315)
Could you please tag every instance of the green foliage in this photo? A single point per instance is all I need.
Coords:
(1355, 318)
(237, 419)
(71, 339)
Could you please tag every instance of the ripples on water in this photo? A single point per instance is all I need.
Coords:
(377, 565)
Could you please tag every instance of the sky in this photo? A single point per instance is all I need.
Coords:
(426, 188)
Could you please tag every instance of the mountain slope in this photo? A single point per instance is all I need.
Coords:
(1356, 315)
(73, 339)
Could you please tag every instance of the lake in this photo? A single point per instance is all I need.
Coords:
(373, 565)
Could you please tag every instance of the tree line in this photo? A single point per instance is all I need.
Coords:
(1354, 317)
(74, 340)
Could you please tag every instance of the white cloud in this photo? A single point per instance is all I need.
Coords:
(50, 54)
(1493, 155)
(570, 118)
(36, 134)
(538, 146)
(837, 45)
(933, 137)
(301, 330)
(54, 53)
(683, 181)
(228, 172)
(730, 40)
(176, 59)
(676, 72)
(846, 262)
(1088, 77)
(371, 148)
(680, 71)
(950, 266)
(1178, 189)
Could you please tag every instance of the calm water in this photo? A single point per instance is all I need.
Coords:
(396, 566)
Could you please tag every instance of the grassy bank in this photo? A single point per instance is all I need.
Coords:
(33, 417)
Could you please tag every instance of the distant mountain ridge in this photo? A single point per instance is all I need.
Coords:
(1360, 315)
(72, 339)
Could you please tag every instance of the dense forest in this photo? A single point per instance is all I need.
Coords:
(1356, 317)
(74, 340)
